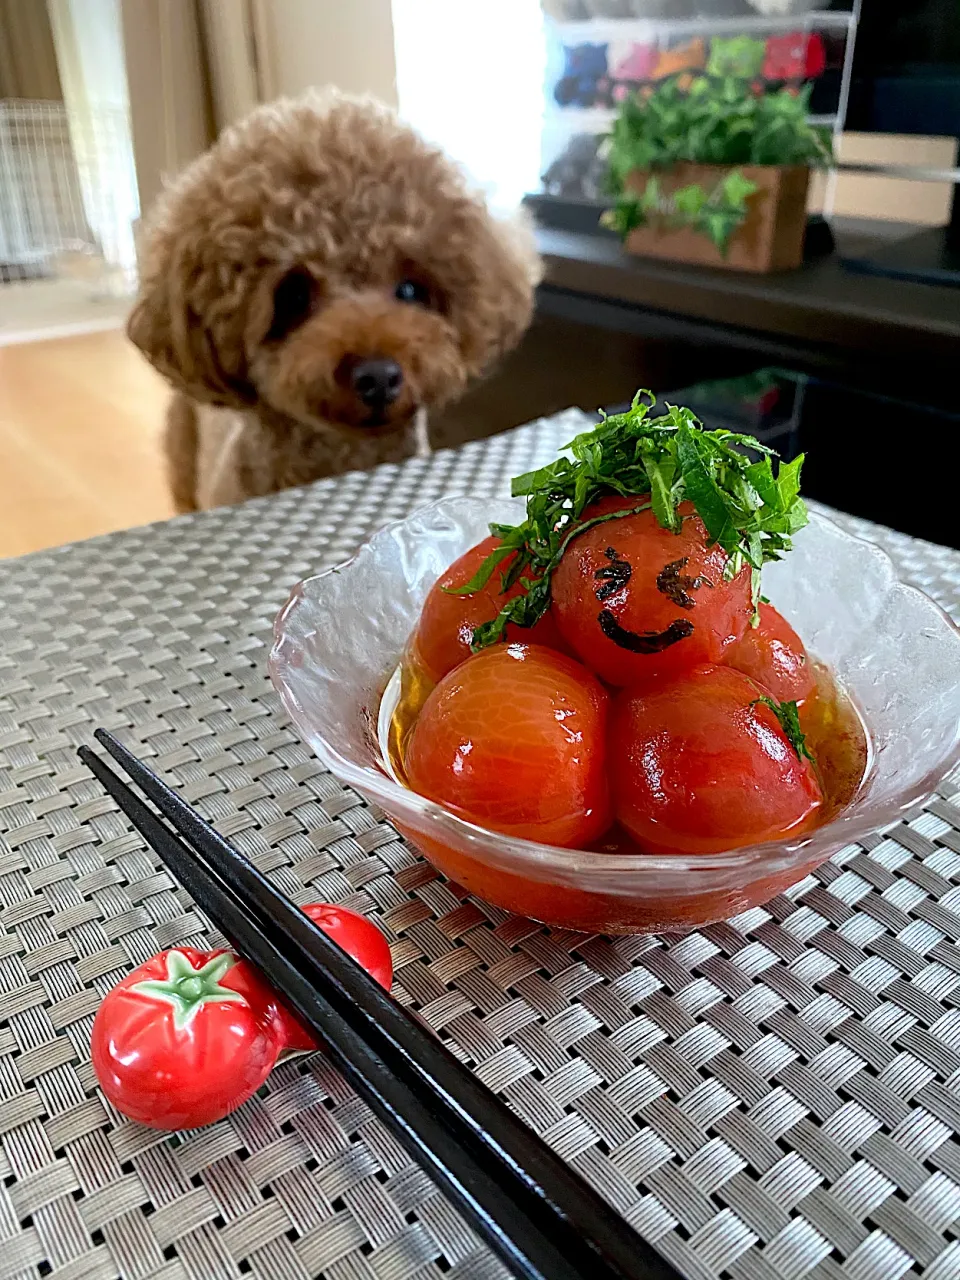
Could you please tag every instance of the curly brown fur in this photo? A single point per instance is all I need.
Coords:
(269, 274)
(180, 444)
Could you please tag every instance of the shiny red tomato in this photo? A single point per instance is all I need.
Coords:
(186, 1038)
(699, 766)
(773, 655)
(362, 940)
(636, 602)
(513, 739)
(447, 622)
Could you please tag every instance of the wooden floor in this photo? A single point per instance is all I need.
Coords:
(80, 417)
(80, 420)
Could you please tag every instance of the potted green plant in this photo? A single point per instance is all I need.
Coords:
(708, 171)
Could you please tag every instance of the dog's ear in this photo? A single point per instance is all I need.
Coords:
(507, 271)
(189, 320)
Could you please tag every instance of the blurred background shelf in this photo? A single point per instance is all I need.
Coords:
(604, 29)
(600, 119)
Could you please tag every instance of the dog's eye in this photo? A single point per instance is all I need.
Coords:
(413, 291)
(293, 300)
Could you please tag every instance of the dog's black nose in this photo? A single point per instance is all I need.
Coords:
(377, 382)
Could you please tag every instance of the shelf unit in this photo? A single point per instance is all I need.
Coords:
(600, 119)
(601, 30)
(563, 123)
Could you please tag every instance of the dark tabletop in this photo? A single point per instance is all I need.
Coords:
(819, 314)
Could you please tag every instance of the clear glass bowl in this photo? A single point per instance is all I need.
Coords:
(339, 638)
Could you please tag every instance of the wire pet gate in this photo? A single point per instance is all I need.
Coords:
(67, 193)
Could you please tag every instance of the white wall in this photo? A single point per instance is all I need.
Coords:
(470, 77)
(311, 43)
(467, 74)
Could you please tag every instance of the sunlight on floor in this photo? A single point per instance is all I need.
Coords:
(55, 308)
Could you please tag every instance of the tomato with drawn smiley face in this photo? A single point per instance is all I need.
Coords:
(638, 602)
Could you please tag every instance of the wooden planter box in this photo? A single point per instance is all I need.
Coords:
(771, 238)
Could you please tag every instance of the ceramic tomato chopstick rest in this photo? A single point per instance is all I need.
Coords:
(186, 1038)
(189, 1036)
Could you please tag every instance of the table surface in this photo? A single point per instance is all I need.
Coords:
(821, 305)
(772, 1098)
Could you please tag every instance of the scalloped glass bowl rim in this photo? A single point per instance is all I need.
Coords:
(770, 857)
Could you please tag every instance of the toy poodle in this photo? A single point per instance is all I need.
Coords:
(311, 285)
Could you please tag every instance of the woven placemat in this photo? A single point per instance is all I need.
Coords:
(773, 1098)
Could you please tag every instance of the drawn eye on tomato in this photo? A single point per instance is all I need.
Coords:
(186, 1038)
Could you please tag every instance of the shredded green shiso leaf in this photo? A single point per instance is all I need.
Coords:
(750, 508)
(788, 715)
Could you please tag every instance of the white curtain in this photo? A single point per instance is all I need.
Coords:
(89, 43)
(470, 76)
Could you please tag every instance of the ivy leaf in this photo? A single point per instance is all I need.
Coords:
(737, 188)
(650, 200)
(626, 215)
(720, 227)
(689, 200)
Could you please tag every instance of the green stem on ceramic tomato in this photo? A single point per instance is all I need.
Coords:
(186, 989)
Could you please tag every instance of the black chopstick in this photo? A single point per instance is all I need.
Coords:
(526, 1202)
(481, 1197)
